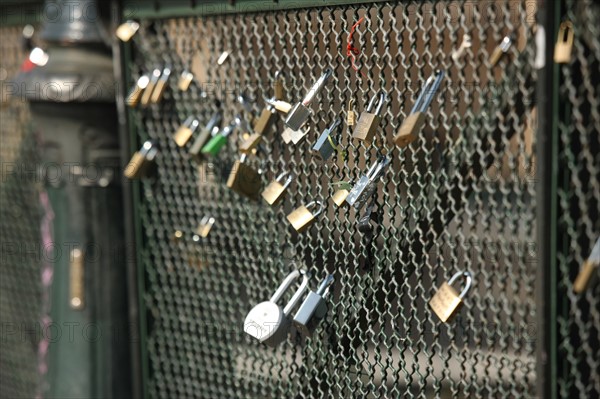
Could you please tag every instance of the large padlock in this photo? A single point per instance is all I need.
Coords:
(446, 300)
(298, 115)
(185, 131)
(142, 162)
(313, 309)
(564, 44)
(267, 321)
(301, 218)
(210, 130)
(276, 190)
(244, 179)
(590, 265)
(327, 143)
(369, 120)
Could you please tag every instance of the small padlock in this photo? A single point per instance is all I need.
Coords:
(185, 131)
(301, 218)
(133, 98)
(340, 195)
(185, 80)
(218, 141)
(264, 121)
(313, 309)
(278, 89)
(367, 184)
(564, 44)
(369, 121)
(351, 115)
(412, 125)
(147, 95)
(205, 226)
(276, 190)
(267, 321)
(159, 90)
(141, 162)
(210, 130)
(126, 30)
(327, 144)
(298, 115)
(589, 266)
(446, 300)
(282, 106)
(250, 143)
(501, 49)
(244, 179)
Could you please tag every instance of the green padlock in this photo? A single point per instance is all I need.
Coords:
(220, 139)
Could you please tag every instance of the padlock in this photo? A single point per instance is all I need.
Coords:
(278, 89)
(327, 144)
(276, 190)
(218, 141)
(141, 162)
(250, 143)
(446, 300)
(282, 106)
(301, 218)
(351, 115)
(205, 226)
(222, 58)
(185, 131)
(369, 121)
(342, 192)
(159, 90)
(589, 266)
(264, 121)
(210, 130)
(412, 125)
(268, 322)
(367, 184)
(501, 49)
(244, 179)
(313, 309)
(126, 30)
(185, 80)
(298, 115)
(133, 98)
(147, 95)
(364, 222)
(564, 44)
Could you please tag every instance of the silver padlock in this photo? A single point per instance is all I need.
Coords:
(327, 144)
(313, 309)
(367, 184)
(298, 115)
(267, 321)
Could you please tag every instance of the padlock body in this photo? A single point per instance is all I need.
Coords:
(273, 193)
(185, 80)
(410, 129)
(133, 98)
(264, 321)
(244, 180)
(214, 145)
(310, 313)
(562, 52)
(297, 116)
(584, 276)
(339, 197)
(324, 147)
(182, 135)
(263, 122)
(301, 218)
(282, 106)
(366, 127)
(250, 143)
(199, 143)
(351, 118)
(203, 229)
(135, 168)
(159, 90)
(445, 302)
(496, 54)
(278, 89)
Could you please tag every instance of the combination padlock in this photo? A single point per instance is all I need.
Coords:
(126, 30)
(367, 184)
(218, 141)
(147, 95)
(268, 322)
(446, 300)
(185, 131)
(141, 162)
(327, 144)
(564, 44)
(589, 266)
(210, 130)
(302, 217)
(133, 98)
(298, 115)
(501, 49)
(313, 309)
(159, 90)
(244, 179)
(412, 125)
(275, 191)
(369, 121)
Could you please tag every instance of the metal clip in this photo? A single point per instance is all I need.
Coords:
(367, 184)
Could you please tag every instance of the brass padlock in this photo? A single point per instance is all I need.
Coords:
(185, 80)
(501, 49)
(133, 98)
(564, 44)
(205, 226)
(446, 300)
(279, 105)
(244, 180)
(412, 125)
(301, 218)
(76, 279)
(278, 89)
(159, 90)
(126, 30)
(263, 122)
(250, 143)
(185, 131)
(369, 121)
(589, 266)
(147, 95)
(276, 190)
(342, 192)
(351, 115)
(141, 162)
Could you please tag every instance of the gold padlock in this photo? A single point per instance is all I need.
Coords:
(262, 123)
(133, 98)
(185, 80)
(369, 120)
(301, 218)
(243, 179)
(564, 44)
(446, 300)
(185, 131)
(141, 161)
(76, 279)
(278, 89)
(501, 49)
(147, 95)
(587, 270)
(275, 190)
(342, 192)
(205, 226)
(250, 143)
(351, 116)
(159, 90)
(126, 30)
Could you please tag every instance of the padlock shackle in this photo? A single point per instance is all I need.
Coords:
(298, 294)
(214, 121)
(595, 255)
(317, 87)
(428, 92)
(285, 284)
(148, 150)
(327, 281)
(468, 284)
(380, 101)
(288, 181)
(334, 125)
(316, 203)
(378, 167)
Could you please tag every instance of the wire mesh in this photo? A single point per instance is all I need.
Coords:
(579, 204)
(462, 197)
(20, 291)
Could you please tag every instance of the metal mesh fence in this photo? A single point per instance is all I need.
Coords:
(579, 204)
(462, 197)
(20, 292)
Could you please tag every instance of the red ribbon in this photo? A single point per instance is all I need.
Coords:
(352, 51)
